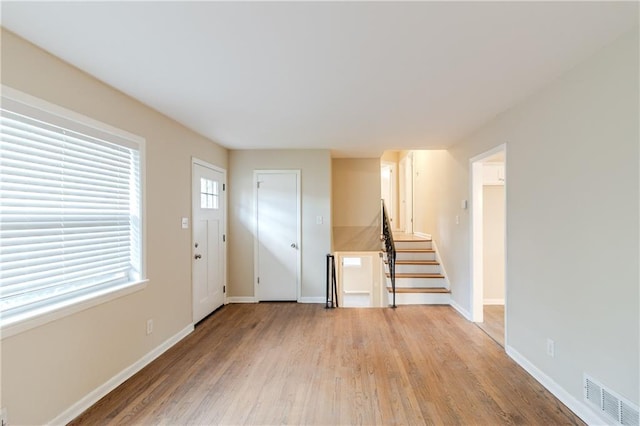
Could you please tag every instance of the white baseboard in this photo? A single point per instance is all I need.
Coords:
(493, 302)
(575, 405)
(439, 260)
(241, 299)
(94, 396)
(460, 309)
(312, 300)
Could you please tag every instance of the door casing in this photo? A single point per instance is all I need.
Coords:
(393, 198)
(406, 191)
(476, 246)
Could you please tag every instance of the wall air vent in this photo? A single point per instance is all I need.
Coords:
(607, 402)
(628, 414)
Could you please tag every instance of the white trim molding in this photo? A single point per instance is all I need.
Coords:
(242, 299)
(574, 404)
(94, 396)
(441, 263)
(460, 309)
(312, 300)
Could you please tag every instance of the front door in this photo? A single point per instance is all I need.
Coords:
(277, 234)
(208, 254)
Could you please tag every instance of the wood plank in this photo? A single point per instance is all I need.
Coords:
(286, 363)
(414, 250)
(420, 290)
(414, 275)
(401, 236)
(414, 262)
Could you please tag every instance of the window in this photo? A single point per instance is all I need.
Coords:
(70, 208)
(208, 194)
(351, 262)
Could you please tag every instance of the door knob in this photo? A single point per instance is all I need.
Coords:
(293, 245)
(198, 256)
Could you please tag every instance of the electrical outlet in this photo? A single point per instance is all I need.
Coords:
(551, 348)
(149, 326)
(4, 419)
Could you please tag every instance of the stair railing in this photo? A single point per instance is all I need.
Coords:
(389, 247)
(332, 287)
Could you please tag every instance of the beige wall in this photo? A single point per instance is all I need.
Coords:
(390, 156)
(493, 242)
(47, 369)
(572, 222)
(356, 204)
(429, 189)
(315, 167)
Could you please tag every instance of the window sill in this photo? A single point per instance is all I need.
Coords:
(13, 326)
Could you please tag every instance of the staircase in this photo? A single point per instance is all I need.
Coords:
(419, 278)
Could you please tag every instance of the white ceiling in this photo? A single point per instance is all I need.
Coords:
(353, 77)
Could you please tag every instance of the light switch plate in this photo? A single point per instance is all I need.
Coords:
(319, 220)
(185, 223)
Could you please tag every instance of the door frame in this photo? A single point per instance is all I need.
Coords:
(199, 162)
(393, 182)
(296, 172)
(477, 240)
(407, 193)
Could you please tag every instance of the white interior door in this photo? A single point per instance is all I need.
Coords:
(277, 235)
(208, 254)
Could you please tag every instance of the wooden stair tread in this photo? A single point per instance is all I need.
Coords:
(415, 262)
(409, 240)
(420, 290)
(414, 250)
(415, 275)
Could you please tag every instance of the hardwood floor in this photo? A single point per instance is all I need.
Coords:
(284, 363)
(493, 323)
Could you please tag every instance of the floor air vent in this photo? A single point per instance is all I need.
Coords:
(608, 402)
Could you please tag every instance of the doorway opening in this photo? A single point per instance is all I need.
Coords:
(488, 242)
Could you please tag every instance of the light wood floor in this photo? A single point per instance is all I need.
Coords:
(278, 363)
(407, 237)
(493, 324)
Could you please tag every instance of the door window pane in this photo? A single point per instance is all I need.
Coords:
(209, 194)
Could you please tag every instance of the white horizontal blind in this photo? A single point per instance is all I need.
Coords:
(69, 213)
